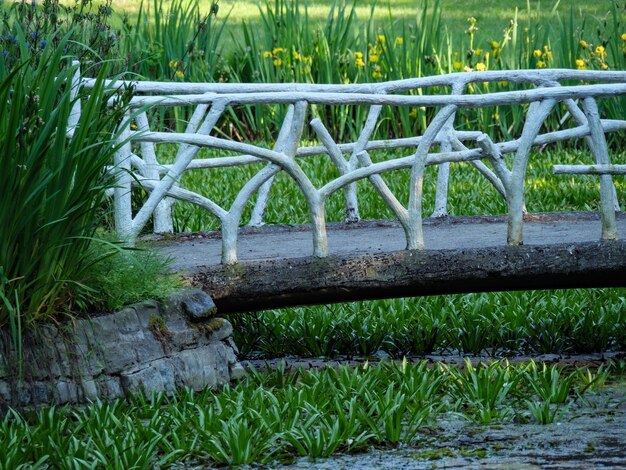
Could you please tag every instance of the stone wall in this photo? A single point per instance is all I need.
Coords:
(151, 346)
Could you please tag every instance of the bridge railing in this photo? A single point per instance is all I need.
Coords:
(137, 163)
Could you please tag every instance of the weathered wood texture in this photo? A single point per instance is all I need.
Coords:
(263, 284)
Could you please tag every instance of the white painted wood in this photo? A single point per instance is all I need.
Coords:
(601, 154)
(352, 159)
(589, 169)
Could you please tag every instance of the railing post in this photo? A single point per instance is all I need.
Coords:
(601, 154)
(122, 192)
(537, 113)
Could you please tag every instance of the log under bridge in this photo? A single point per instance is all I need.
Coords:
(367, 260)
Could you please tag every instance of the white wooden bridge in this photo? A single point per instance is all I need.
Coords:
(339, 270)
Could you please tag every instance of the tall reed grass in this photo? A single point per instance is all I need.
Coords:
(52, 186)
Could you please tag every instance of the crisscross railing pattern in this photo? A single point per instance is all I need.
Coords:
(441, 144)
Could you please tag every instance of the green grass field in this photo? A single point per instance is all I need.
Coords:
(493, 14)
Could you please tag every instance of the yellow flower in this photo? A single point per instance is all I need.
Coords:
(496, 117)
(537, 53)
(413, 112)
(481, 67)
(278, 62)
(624, 37)
(267, 54)
(547, 55)
(277, 50)
(400, 40)
(296, 55)
(580, 64)
(503, 84)
(604, 66)
(541, 64)
(359, 63)
(478, 51)
(487, 56)
(373, 58)
(173, 64)
(600, 51)
(494, 45)
(458, 65)
(584, 44)
(358, 55)
(376, 73)
(380, 38)
(133, 126)
(179, 74)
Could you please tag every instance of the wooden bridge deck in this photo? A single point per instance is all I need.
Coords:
(367, 260)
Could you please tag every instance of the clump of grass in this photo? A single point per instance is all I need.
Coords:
(274, 417)
(128, 276)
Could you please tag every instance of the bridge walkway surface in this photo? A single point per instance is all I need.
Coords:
(368, 260)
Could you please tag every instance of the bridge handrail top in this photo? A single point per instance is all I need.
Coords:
(462, 101)
(532, 76)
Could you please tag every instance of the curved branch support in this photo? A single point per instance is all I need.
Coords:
(601, 154)
(497, 160)
(482, 168)
(415, 234)
(351, 211)
(390, 199)
(162, 217)
(258, 211)
(184, 195)
(183, 159)
(232, 220)
(537, 113)
(352, 208)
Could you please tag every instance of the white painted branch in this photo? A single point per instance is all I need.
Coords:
(461, 101)
(184, 195)
(74, 116)
(497, 160)
(351, 212)
(258, 211)
(122, 193)
(482, 168)
(172, 175)
(589, 169)
(415, 235)
(512, 76)
(537, 113)
(581, 119)
(601, 154)
(443, 170)
(162, 216)
(390, 199)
